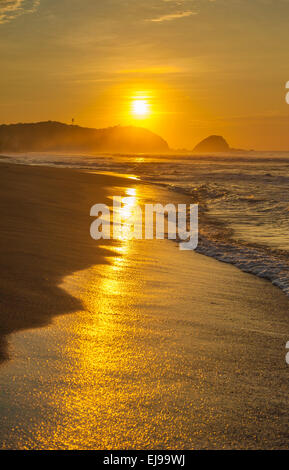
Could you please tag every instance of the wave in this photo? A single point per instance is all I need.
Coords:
(257, 261)
(243, 202)
(215, 241)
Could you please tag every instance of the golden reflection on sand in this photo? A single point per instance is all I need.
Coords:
(101, 345)
(151, 362)
(129, 202)
(126, 216)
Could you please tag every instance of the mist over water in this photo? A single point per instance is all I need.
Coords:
(243, 198)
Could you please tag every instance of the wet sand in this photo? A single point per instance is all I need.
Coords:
(159, 348)
(44, 236)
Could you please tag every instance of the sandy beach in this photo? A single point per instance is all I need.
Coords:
(44, 237)
(141, 346)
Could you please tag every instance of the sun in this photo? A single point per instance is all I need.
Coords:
(140, 107)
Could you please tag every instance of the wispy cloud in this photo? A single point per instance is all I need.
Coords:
(173, 16)
(10, 9)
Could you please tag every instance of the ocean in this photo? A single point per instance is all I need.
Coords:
(243, 200)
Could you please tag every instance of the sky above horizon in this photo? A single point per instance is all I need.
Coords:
(203, 66)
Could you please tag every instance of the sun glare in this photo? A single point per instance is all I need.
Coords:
(140, 107)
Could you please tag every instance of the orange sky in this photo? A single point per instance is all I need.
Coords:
(204, 66)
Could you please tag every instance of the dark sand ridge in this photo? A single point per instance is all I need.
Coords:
(44, 236)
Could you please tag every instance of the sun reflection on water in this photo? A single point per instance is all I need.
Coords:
(100, 349)
(127, 216)
(104, 292)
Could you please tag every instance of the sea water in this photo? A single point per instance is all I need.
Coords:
(243, 199)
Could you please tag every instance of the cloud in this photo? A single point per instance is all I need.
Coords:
(173, 16)
(10, 9)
